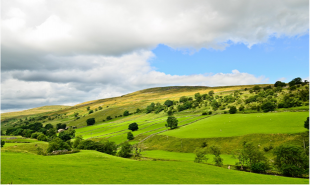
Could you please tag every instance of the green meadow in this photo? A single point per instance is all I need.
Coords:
(228, 125)
(91, 167)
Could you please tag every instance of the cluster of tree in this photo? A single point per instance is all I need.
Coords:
(203, 150)
(290, 160)
(28, 130)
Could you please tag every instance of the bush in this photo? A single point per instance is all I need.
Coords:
(200, 155)
(130, 136)
(90, 121)
(91, 111)
(107, 147)
(232, 110)
(291, 160)
(125, 150)
(126, 113)
(42, 137)
(2, 143)
(259, 167)
(109, 118)
(87, 145)
(57, 144)
(172, 122)
(133, 127)
(77, 141)
(204, 113)
(266, 149)
(35, 135)
(241, 108)
(268, 106)
(210, 112)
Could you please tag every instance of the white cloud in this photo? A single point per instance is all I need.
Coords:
(59, 52)
(108, 77)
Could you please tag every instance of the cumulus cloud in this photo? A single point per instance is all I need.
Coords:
(108, 77)
(60, 52)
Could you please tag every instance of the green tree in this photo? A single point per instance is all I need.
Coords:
(291, 160)
(90, 121)
(126, 113)
(48, 126)
(200, 155)
(133, 126)
(2, 143)
(77, 141)
(42, 137)
(256, 88)
(268, 106)
(217, 152)
(279, 84)
(130, 136)
(211, 93)
(198, 97)
(100, 108)
(67, 135)
(232, 110)
(88, 108)
(172, 122)
(90, 111)
(306, 125)
(51, 132)
(241, 108)
(57, 144)
(76, 114)
(109, 118)
(125, 150)
(251, 156)
(168, 103)
(183, 99)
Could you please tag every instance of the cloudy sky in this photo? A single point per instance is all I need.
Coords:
(64, 52)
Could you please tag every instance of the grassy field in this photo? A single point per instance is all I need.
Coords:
(91, 167)
(227, 125)
(189, 157)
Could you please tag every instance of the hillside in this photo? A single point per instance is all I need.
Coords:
(227, 118)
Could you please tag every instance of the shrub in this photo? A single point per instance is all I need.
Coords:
(109, 118)
(77, 141)
(57, 144)
(133, 127)
(210, 112)
(172, 122)
(125, 150)
(87, 145)
(126, 113)
(232, 110)
(200, 155)
(241, 108)
(268, 106)
(130, 136)
(291, 160)
(204, 113)
(36, 134)
(107, 147)
(259, 167)
(42, 137)
(91, 111)
(90, 121)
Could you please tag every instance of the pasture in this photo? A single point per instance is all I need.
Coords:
(229, 125)
(91, 167)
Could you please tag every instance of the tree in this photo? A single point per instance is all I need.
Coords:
(90, 121)
(88, 108)
(100, 108)
(172, 122)
(183, 99)
(217, 152)
(306, 125)
(291, 160)
(232, 110)
(256, 88)
(251, 156)
(125, 150)
(168, 103)
(279, 84)
(211, 93)
(133, 126)
(67, 135)
(198, 97)
(107, 147)
(2, 143)
(42, 137)
(126, 113)
(57, 144)
(61, 126)
(268, 106)
(241, 108)
(48, 126)
(109, 118)
(76, 114)
(90, 111)
(77, 141)
(130, 136)
(200, 155)
(51, 132)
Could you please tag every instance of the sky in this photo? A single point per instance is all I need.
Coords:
(56, 52)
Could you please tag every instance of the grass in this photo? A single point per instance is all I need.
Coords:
(91, 167)
(189, 157)
(24, 147)
(228, 125)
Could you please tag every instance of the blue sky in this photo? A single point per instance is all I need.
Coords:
(278, 59)
(51, 55)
